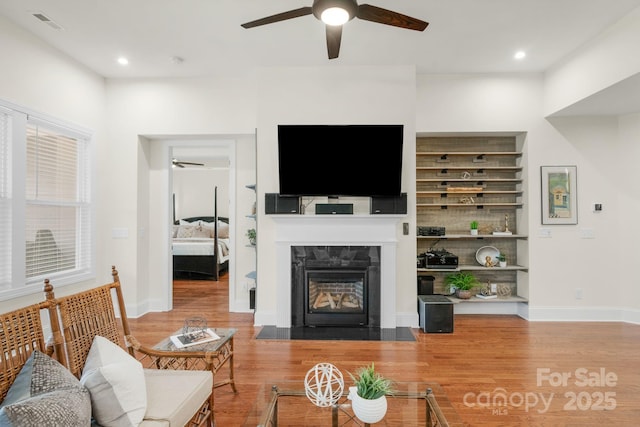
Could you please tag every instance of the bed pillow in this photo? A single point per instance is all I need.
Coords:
(185, 232)
(45, 393)
(115, 380)
(202, 231)
(223, 230)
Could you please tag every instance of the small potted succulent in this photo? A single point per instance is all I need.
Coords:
(368, 396)
(473, 226)
(502, 259)
(464, 283)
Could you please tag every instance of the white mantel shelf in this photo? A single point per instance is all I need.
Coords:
(349, 230)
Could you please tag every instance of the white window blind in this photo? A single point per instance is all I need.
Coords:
(5, 201)
(58, 214)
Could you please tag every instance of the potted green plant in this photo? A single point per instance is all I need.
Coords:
(251, 234)
(463, 281)
(473, 227)
(502, 259)
(368, 396)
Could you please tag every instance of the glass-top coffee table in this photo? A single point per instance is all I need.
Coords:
(285, 404)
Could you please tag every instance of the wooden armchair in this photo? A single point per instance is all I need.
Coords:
(89, 313)
(20, 335)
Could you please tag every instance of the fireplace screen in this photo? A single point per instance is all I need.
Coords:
(336, 297)
(335, 286)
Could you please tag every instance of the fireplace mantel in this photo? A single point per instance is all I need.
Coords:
(318, 230)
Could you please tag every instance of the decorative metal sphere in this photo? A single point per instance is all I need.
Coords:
(324, 384)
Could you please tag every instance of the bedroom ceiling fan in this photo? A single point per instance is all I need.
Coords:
(335, 13)
(178, 164)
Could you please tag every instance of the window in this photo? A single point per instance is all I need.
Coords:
(5, 199)
(45, 202)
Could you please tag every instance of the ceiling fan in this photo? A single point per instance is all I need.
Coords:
(179, 164)
(334, 13)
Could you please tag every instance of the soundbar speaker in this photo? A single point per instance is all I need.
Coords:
(274, 203)
(436, 313)
(425, 285)
(334, 208)
(389, 205)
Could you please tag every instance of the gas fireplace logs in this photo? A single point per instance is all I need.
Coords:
(336, 302)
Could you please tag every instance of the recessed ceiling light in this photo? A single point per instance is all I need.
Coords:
(123, 61)
(520, 55)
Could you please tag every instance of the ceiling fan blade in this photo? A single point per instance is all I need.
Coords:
(334, 36)
(296, 13)
(388, 17)
(190, 163)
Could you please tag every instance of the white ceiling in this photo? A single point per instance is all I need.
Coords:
(463, 36)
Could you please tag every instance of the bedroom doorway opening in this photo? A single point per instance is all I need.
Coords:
(235, 202)
(201, 212)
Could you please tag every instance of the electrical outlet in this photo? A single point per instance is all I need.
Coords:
(579, 293)
(494, 287)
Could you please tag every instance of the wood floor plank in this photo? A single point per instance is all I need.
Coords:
(486, 358)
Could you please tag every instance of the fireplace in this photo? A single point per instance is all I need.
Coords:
(335, 286)
(293, 231)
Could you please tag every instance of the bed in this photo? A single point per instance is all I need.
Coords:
(200, 247)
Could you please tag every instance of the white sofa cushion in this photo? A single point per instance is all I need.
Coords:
(174, 396)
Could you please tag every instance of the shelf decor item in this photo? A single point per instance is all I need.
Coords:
(559, 194)
(487, 256)
(473, 226)
(463, 281)
(369, 395)
(502, 260)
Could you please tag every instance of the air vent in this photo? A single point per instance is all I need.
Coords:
(44, 18)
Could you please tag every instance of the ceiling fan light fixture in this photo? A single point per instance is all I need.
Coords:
(335, 16)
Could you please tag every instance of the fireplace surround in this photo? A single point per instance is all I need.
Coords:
(330, 231)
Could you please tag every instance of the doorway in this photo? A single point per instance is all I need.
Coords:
(158, 209)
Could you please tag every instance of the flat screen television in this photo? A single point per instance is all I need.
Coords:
(340, 160)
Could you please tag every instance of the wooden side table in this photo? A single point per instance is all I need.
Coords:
(208, 356)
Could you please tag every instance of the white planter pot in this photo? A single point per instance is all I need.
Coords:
(474, 232)
(367, 411)
(503, 264)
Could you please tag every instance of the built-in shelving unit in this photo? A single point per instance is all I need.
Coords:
(464, 179)
(252, 275)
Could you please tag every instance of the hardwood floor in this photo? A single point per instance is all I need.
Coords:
(486, 358)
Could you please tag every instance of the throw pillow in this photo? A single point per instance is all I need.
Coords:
(116, 384)
(45, 394)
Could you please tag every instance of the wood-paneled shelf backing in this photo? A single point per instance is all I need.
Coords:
(464, 179)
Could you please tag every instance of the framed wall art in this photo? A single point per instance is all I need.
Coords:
(559, 194)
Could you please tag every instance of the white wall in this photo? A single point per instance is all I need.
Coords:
(140, 112)
(606, 60)
(194, 188)
(37, 77)
(344, 95)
